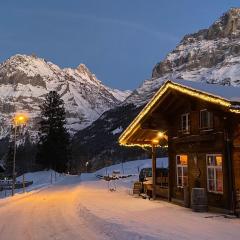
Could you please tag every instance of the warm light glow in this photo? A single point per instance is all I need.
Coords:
(160, 134)
(135, 125)
(20, 119)
(183, 159)
(155, 141)
(143, 145)
(219, 160)
(235, 110)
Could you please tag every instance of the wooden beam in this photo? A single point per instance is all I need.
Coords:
(154, 166)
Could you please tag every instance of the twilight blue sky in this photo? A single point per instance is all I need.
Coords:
(119, 40)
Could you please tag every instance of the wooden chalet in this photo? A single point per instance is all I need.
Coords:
(200, 123)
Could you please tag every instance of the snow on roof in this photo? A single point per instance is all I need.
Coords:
(228, 93)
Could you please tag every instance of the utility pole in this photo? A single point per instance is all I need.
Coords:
(23, 182)
(86, 164)
(154, 171)
(14, 161)
(18, 120)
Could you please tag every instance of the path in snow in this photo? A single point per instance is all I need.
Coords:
(46, 214)
(82, 208)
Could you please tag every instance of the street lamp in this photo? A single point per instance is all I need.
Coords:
(18, 120)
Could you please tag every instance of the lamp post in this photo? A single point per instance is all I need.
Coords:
(86, 164)
(18, 120)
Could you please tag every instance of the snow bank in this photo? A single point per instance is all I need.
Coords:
(40, 179)
(132, 167)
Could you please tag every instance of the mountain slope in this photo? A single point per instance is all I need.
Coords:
(24, 80)
(211, 55)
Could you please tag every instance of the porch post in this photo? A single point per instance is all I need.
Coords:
(154, 171)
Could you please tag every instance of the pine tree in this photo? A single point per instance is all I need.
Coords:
(9, 160)
(53, 146)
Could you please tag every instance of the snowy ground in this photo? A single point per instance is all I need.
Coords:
(81, 207)
(40, 179)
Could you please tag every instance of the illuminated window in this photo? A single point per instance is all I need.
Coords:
(182, 170)
(185, 122)
(206, 119)
(214, 173)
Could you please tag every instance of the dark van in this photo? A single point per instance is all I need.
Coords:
(161, 176)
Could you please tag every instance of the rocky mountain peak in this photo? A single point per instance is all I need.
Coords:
(211, 55)
(227, 26)
(218, 46)
(24, 81)
(18, 59)
(82, 68)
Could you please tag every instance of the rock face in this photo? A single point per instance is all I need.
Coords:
(211, 55)
(206, 48)
(24, 80)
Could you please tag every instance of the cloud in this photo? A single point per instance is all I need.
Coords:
(90, 17)
(128, 24)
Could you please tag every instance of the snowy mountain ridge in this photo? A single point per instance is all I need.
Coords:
(24, 80)
(211, 55)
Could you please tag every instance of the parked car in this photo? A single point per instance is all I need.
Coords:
(145, 178)
(161, 176)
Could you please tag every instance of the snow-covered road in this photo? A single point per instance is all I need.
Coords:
(47, 214)
(83, 208)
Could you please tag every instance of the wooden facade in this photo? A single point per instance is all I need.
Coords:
(197, 144)
(203, 138)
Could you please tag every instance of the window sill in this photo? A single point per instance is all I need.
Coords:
(180, 187)
(217, 193)
(184, 132)
(206, 129)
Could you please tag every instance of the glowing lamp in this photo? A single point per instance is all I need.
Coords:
(20, 119)
(160, 134)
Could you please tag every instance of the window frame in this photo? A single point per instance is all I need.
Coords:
(187, 130)
(209, 120)
(215, 168)
(181, 166)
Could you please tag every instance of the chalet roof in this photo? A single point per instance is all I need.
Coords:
(228, 93)
(226, 96)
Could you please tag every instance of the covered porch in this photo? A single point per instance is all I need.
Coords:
(151, 133)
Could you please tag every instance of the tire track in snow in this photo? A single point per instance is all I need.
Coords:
(114, 231)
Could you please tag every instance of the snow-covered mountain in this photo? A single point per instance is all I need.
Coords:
(24, 80)
(211, 55)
